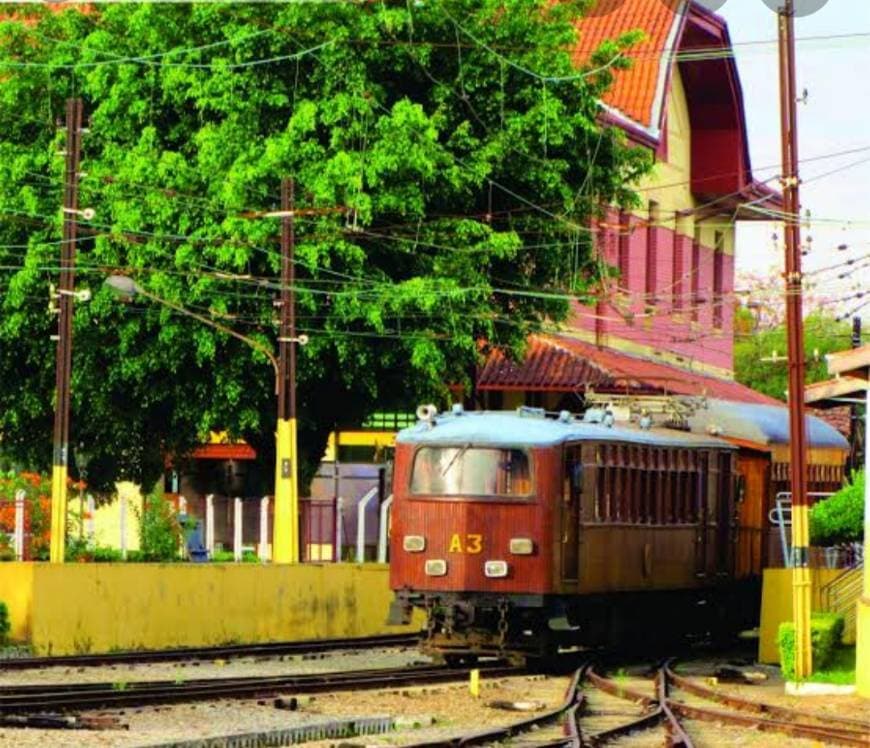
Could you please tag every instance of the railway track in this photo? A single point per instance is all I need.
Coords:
(587, 725)
(234, 651)
(78, 697)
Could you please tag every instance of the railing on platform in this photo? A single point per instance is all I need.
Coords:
(841, 596)
(780, 517)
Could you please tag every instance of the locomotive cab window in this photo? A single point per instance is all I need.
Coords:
(471, 471)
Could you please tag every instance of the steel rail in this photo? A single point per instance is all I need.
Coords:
(269, 649)
(572, 703)
(757, 707)
(79, 697)
(789, 722)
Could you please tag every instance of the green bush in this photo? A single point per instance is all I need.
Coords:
(160, 535)
(826, 633)
(840, 518)
(5, 626)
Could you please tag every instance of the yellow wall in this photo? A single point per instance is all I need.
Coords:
(776, 608)
(16, 590)
(670, 183)
(107, 518)
(101, 607)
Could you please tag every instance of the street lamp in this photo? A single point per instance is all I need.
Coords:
(125, 286)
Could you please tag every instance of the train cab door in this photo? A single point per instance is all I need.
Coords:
(572, 489)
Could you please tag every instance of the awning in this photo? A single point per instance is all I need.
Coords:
(557, 363)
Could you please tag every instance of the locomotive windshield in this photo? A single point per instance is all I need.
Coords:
(471, 471)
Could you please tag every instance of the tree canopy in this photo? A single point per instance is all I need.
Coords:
(448, 157)
(754, 349)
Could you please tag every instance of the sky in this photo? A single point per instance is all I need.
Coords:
(835, 118)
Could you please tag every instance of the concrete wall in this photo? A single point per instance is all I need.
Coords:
(102, 607)
(776, 607)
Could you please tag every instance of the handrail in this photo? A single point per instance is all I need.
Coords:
(382, 529)
(361, 523)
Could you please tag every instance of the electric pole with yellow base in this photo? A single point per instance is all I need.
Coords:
(285, 533)
(862, 631)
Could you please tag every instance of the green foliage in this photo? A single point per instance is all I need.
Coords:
(826, 635)
(840, 518)
(81, 549)
(459, 139)
(160, 535)
(226, 557)
(822, 334)
(840, 668)
(5, 625)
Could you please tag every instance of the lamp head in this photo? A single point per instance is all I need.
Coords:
(122, 285)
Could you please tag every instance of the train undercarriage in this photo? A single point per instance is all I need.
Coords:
(461, 627)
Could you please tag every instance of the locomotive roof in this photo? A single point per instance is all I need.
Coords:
(765, 424)
(516, 429)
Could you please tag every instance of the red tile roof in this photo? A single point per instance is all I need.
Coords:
(556, 363)
(240, 451)
(634, 91)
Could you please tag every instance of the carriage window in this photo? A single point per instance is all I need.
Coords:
(471, 471)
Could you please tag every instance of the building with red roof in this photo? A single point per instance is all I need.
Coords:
(666, 323)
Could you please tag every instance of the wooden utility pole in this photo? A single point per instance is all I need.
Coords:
(802, 598)
(63, 366)
(856, 451)
(285, 537)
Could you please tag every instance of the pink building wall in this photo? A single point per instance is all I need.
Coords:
(660, 322)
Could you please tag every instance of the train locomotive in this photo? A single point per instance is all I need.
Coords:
(518, 533)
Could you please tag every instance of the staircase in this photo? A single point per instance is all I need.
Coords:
(841, 596)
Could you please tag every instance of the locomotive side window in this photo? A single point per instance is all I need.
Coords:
(471, 471)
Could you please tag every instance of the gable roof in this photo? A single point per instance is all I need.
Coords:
(558, 363)
(638, 94)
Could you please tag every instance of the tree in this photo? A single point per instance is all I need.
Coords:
(459, 139)
(754, 348)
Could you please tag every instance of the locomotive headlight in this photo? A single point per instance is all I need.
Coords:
(495, 569)
(414, 543)
(436, 567)
(522, 546)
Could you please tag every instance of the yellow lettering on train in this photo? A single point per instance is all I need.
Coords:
(473, 543)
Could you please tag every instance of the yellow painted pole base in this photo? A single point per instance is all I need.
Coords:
(57, 545)
(285, 533)
(474, 683)
(862, 650)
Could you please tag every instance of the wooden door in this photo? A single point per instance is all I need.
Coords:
(752, 507)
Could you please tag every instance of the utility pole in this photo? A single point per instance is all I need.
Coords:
(66, 295)
(285, 537)
(801, 590)
(855, 440)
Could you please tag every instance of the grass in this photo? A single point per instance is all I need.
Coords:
(840, 671)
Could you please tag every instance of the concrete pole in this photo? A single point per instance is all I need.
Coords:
(862, 659)
(18, 539)
(237, 529)
(264, 528)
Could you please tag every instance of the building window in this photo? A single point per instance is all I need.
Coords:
(718, 279)
(695, 271)
(652, 252)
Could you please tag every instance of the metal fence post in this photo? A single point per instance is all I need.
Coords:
(339, 511)
(237, 529)
(264, 528)
(209, 524)
(122, 522)
(18, 540)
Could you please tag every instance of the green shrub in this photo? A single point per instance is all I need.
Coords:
(160, 535)
(5, 626)
(826, 633)
(840, 518)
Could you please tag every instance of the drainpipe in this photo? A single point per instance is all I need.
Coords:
(382, 529)
(361, 523)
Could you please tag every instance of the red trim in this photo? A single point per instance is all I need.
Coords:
(224, 452)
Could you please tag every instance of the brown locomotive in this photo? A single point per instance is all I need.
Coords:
(516, 532)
